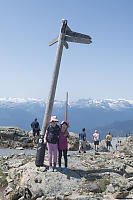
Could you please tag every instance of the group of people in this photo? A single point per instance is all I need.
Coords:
(95, 138)
(56, 138)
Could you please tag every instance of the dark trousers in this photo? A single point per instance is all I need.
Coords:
(65, 157)
(34, 132)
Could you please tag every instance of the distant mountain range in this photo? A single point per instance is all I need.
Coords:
(105, 115)
(117, 129)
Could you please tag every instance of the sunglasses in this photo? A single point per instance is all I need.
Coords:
(64, 125)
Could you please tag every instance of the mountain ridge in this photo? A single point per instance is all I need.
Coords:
(88, 113)
(117, 129)
(103, 103)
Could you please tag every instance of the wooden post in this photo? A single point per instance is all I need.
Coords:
(66, 104)
(50, 101)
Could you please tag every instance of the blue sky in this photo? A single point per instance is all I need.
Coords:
(101, 70)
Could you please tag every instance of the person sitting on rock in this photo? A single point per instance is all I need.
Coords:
(96, 140)
(51, 137)
(108, 141)
(62, 145)
(82, 141)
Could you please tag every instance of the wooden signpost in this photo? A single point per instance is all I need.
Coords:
(66, 106)
(65, 35)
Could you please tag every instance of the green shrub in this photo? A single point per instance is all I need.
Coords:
(3, 181)
(103, 184)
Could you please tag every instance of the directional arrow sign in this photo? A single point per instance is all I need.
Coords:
(53, 41)
(77, 40)
(75, 34)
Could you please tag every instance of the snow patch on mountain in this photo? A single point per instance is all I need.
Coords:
(105, 104)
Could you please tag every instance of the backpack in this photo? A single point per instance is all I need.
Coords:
(97, 137)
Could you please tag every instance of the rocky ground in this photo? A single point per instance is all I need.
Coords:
(14, 137)
(99, 176)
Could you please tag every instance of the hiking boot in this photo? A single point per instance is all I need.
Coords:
(65, 169)
(59, 168)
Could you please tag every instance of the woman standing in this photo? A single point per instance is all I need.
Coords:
(51, 137)
(62, 146)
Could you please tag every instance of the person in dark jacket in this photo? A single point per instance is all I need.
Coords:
(35, 127)
(51, 137)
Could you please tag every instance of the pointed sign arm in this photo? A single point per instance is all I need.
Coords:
(75, 34)
(68, 28)
(56, 40)
(77, 40)
(65, 44)
(53, 41)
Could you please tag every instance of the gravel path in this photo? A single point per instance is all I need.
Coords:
(8, 152)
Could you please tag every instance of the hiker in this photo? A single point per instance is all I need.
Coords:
(108, 141)
(51, 137)
(96, 139)
(62, 145)
(82, 141)
(35, 127)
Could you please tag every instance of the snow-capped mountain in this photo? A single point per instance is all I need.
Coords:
(87, 113)
(106, 104)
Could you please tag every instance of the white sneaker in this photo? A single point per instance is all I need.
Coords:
(51, 169)
(55, 169)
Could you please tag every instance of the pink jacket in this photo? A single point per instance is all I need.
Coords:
(62, 145)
